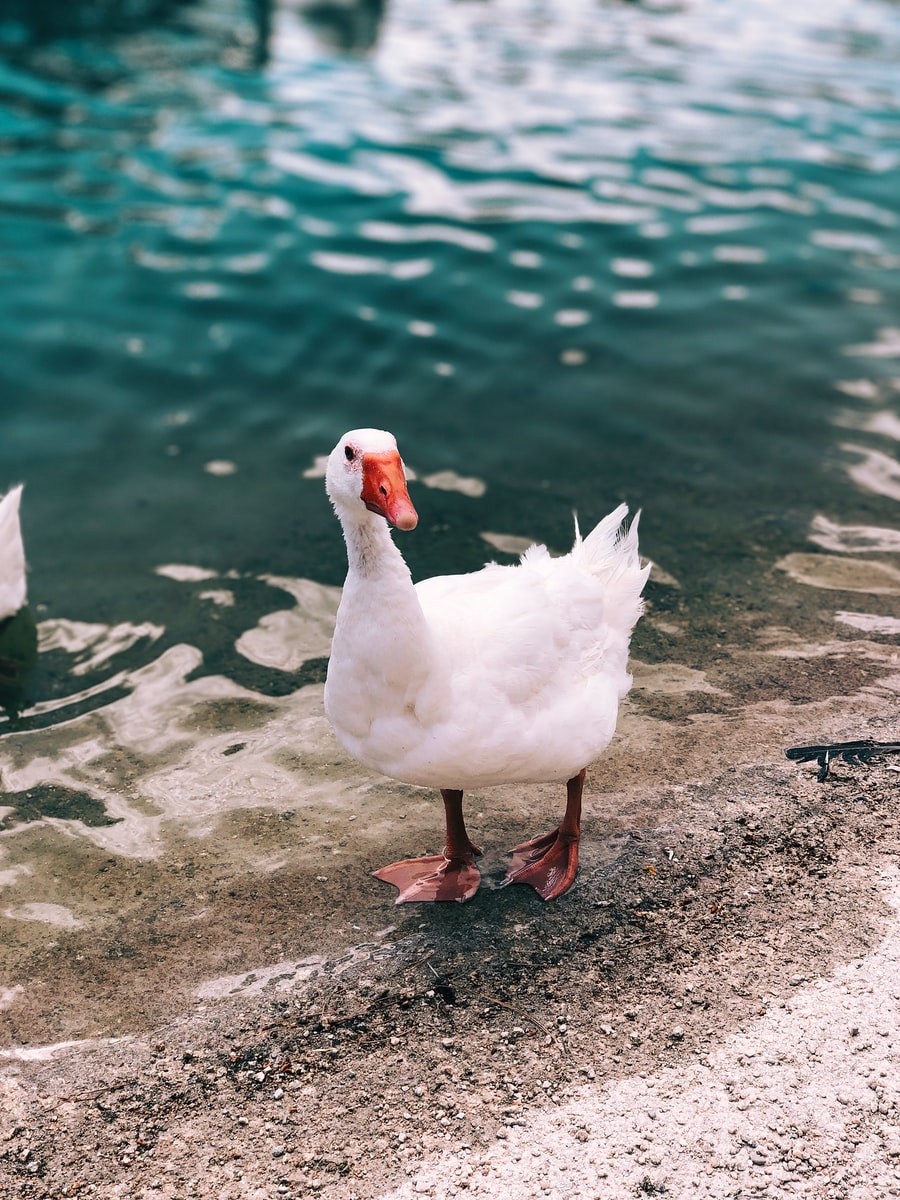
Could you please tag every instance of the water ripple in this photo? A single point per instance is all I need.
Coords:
(508, 192)
(387, 231)
(361, 264)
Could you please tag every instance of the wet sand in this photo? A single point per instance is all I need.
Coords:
(206, 993)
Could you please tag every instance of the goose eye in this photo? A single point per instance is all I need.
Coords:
(350, 453)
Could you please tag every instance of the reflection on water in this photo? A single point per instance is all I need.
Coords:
(569, 254)
(352, 27)
(18, 634)
(45, 19)
(18, 655)
(347, 26)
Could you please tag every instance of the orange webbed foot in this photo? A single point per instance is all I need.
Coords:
(434, 877)
(548, 863)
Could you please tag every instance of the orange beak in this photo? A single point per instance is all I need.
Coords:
(384, 489)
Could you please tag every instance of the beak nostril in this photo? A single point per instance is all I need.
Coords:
(384, 491)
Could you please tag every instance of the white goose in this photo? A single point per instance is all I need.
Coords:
(12, 555)
(507, 675)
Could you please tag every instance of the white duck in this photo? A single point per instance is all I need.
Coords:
(507, 675)
(12, 555)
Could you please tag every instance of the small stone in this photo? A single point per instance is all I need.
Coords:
(278, 1151)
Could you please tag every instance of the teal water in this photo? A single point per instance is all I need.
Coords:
(578, 252)
(570, 254)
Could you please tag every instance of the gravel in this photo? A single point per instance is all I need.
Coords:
(712, 1011)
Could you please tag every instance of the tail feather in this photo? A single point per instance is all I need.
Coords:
(610, 550)
(602, 540)
(611, 543)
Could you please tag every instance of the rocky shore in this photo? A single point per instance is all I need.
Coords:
(712, 1011)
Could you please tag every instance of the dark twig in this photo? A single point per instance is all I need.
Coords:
(80, 1097)
(854, 753)
(525, 1017)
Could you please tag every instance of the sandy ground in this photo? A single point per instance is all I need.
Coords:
(711, 1011)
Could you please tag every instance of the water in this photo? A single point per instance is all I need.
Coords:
(569, 254)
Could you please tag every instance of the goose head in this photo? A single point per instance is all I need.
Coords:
(365, 474)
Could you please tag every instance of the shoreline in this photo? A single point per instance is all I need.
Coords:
(317, 1039)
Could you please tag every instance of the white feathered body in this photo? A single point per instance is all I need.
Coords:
(12, 555)
(511, 674)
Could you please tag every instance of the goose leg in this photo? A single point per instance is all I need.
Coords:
(448, 876)
(549, 863)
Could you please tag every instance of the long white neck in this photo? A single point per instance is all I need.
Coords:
(379, 623)
(371, 553)
(379, 587)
